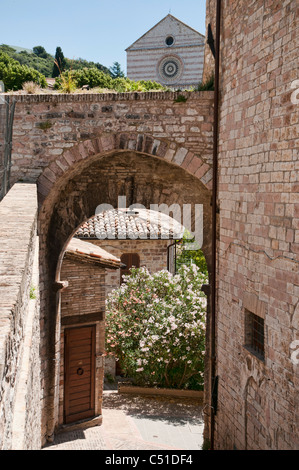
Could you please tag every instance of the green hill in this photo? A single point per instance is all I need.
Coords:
(21, 49)
(39, 59)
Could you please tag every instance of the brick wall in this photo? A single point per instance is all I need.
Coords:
(209, 61)
(86, 290)
(152, 254)
(258, 234)
(20, 411)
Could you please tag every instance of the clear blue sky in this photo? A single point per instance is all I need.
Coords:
(92, 29)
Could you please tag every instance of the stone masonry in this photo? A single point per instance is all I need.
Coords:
(19, 321)
(47, 127)
(259, 225)
(82, 150)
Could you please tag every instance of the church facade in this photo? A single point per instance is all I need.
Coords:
(170, 53)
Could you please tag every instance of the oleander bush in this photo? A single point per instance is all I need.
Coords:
(155, 327)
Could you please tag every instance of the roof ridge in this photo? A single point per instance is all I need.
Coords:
(168, 15)
(116, 223)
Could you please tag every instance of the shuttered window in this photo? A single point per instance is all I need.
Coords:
(130, 260)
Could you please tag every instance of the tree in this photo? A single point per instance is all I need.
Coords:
(116, 71)
(40, 51)
(59, 63)
(188, 256)
(13, 74)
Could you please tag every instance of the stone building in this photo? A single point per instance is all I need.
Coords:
(139, 238)
(257, 296)
(170, 53)
(82, 343)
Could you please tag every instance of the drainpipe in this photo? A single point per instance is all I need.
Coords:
(214, 378)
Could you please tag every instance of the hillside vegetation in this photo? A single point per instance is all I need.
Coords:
(14, 75)
(27, 71)
(43, 62)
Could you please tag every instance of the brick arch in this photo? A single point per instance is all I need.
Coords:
(112, 142)
(69, 190)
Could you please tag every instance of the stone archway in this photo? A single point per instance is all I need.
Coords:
(110, 142)
(71, 188)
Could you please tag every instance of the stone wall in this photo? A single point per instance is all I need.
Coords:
(259, 225)
(19, 321)
(209, 60)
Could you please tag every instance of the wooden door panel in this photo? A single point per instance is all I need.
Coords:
(79, 390)
(130, 260)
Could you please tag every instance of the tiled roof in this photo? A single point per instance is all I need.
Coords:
(121, 224)
(89, 252)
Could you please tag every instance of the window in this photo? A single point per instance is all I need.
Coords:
(255, 334)
(170, 68)
(169, 41)
(130, 260)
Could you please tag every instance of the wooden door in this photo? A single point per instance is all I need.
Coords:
(130, 260)
(79, 373)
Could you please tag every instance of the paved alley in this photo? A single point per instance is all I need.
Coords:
(139, 423)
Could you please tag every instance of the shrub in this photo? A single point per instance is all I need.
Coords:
(66, 83)
(87, 76)
(188, 256)
(95, 78)
(14, 74)
(31, 88)
(208, 85)
(155, 327)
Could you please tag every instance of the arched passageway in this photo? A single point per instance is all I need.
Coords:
(71, 200)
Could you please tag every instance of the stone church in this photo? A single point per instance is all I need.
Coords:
(170, 53)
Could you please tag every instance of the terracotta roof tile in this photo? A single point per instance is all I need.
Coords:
(89, 252)
(123, 224)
